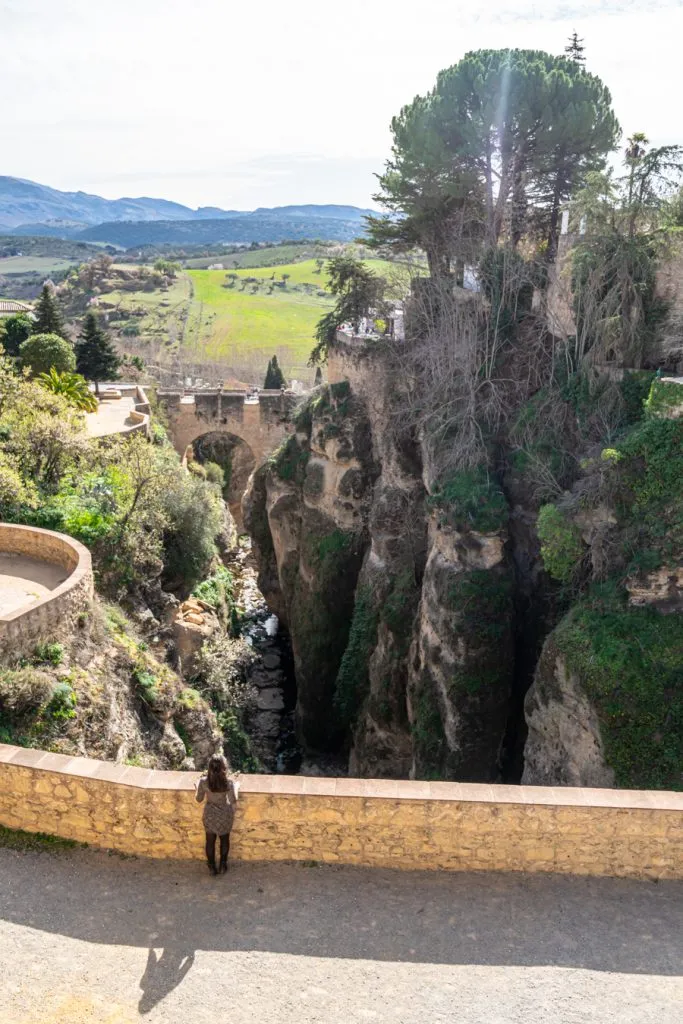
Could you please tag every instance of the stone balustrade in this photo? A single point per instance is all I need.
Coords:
(374, 823)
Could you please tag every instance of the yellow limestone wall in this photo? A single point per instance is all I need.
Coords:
(412, 825)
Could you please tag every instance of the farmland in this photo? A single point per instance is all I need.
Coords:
(235, 319)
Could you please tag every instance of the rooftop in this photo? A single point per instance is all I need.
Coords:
(10, 306)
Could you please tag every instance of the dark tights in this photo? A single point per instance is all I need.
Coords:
(211, 849)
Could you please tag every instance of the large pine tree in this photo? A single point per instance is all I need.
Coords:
(96, 357)
(48, 314)
(275, 378)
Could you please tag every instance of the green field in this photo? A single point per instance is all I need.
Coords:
(11, 265)
(209, 320)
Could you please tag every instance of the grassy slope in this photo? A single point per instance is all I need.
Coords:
(241, 326)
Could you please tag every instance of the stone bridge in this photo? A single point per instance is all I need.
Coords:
(262, 422)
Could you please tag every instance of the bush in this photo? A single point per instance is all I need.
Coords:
(562, 549)
(214, 474)
(23, 691)
(48, 654)
(194, 514)
(63, 702)
(146, 686)
(217, 591)
(470, 499)
(41, 352)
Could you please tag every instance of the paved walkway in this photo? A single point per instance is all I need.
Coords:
(112, 416)
(94, 939)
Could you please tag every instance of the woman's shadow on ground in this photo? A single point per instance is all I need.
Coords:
(163, 973)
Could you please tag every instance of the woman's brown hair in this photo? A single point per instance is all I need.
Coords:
(217, 774)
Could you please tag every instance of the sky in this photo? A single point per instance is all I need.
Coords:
(246, 104)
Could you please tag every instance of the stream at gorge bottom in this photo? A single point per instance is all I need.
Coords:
(270, 714)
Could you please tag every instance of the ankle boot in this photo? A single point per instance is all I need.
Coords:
(212, 865)
(224, 864)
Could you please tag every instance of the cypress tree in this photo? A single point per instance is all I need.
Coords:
(96, 357)
(275, 379)
(48, 314)
(318, 377)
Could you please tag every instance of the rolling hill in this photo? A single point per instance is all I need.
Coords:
(28, 208)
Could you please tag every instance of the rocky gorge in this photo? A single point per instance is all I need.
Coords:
(424, 619)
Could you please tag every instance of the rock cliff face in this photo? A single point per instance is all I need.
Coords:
(401, 624)
(564, 746)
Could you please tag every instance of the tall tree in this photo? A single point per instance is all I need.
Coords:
(96, 357)
(575, 49)
(275, 378)
(14, 330)
(48, 315)
(501, 131)
(358, 292)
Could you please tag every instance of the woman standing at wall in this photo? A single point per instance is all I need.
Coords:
(221, 795)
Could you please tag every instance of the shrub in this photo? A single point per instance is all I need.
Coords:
(562, 549)
(41, 352)
(214, 474)
(217, 591)
(146, 686)
(23, 691)
(470, 499)
(48, 654)
(63, 702)
(352, 683)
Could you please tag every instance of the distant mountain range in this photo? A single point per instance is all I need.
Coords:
(27, 208)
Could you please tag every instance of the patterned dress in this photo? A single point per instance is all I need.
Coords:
(219, 809)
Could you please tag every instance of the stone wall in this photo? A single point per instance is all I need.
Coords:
(262, 424)
(410, 825)
(20, 629)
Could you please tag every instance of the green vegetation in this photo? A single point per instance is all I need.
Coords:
(36, 842)
(48, 654)
(472, 500)
(352, 684)
(96, 357)
(562, 549)
(289, 461)
(630, 662)
(129, 501)
(275, 379)
(41, 353)
(664, 395)
(72, 386)
(217, 591)
(48, 316)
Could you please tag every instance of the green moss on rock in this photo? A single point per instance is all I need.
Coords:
(630, 663)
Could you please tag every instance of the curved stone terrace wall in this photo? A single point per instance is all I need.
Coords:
(59, 606)
(410, 825)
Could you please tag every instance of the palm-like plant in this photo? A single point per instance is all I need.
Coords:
(72, 386)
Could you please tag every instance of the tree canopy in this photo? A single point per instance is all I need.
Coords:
(503, 135)
(41, 352)
(14, 330)
(275, 378)
(49, 318)
(96, 357)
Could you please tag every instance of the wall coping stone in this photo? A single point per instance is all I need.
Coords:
(381, 789)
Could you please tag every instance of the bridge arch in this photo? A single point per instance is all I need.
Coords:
(262, 422)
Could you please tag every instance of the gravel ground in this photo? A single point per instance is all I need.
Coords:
(88, 938)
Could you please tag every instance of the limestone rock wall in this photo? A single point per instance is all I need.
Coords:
(387, 659)
(564, 745)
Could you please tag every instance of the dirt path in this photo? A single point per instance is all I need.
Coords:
(93, 939)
